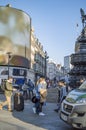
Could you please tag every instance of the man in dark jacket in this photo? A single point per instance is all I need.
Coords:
(62, 93)
(8, 93)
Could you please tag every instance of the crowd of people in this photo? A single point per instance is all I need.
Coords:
(39, 96)
(27, 89)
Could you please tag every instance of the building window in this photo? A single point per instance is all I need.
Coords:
(19, 72)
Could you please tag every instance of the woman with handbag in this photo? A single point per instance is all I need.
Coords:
(41, 93)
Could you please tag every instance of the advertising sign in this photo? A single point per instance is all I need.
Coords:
(14, 37)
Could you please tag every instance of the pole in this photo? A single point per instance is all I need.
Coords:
(46, 57)
(9, 55)
(45, 66)
(8, 66)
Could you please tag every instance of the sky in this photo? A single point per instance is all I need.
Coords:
(55, 23)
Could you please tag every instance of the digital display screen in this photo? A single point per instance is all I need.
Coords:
(15, 26)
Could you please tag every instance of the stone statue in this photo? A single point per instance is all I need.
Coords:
(83, 17)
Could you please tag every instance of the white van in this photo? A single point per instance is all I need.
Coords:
(73, 107)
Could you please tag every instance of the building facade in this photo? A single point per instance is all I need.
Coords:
(21, 54)
(37, 57)
(54, 71)
(15, 39)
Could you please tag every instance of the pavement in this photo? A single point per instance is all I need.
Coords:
(27, 120)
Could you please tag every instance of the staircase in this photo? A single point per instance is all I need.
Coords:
(52, 95)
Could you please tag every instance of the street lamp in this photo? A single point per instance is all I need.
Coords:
(46, 57)
(9, 56)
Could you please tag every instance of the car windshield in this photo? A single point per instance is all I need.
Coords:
(83, 86)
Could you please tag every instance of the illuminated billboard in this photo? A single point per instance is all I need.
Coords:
(15, 26)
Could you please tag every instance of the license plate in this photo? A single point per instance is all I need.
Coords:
(64, 117)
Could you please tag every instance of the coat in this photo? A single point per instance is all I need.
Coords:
(8, 89)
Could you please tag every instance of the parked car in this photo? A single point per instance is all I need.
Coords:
(73, 107)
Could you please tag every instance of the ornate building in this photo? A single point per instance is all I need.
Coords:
(38, 57)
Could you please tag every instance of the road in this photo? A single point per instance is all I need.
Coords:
(27, 120)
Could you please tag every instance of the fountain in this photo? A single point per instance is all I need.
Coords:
(78, 59)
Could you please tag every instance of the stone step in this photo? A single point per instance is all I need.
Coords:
(52, 95)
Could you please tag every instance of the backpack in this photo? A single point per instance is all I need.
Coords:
(3, 85)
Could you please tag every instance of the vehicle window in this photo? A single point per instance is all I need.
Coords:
(83, 86)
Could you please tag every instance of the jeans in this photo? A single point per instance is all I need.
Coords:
(38, 106)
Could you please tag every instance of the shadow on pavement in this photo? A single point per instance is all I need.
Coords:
(50, 121)
(27, 120)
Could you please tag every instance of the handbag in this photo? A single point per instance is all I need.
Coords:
(43, 92)
(34, 99)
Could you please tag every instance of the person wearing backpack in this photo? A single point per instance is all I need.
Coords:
(8, 93)
(3, 85)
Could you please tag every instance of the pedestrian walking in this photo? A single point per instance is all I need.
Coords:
(30, 88)
(58, 92)
(25, 89)
(8, 94)
(62, 93)
(41, 93)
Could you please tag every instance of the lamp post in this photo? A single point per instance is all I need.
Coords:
(46, 57)
(9, 56)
